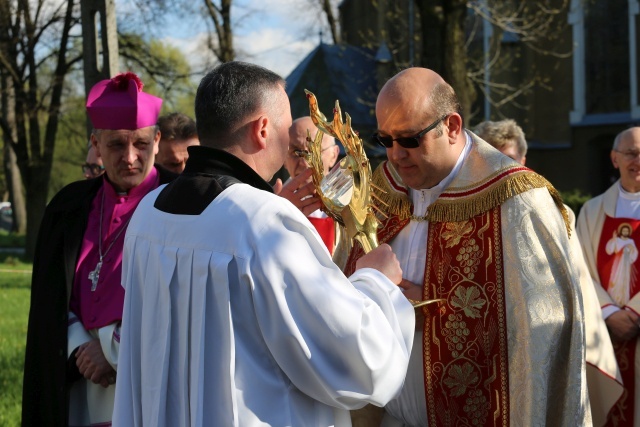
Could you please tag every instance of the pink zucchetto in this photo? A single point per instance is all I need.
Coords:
(120, 103)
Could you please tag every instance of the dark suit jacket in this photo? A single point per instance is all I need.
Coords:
(48, 373)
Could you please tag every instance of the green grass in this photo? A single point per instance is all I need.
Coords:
(15, 283)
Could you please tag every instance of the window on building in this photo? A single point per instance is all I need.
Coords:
(606, 56)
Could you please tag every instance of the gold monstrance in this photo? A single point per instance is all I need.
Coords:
(346, 191)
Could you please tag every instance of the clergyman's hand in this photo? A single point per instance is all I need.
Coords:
(623, 325)
(411, 290)
(384, 260)
(93, 365)
(300, 191)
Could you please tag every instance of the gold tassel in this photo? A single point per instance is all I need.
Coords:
(465, 208)
(395, 203)
(557, 199)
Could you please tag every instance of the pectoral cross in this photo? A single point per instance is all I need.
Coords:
(94, 275)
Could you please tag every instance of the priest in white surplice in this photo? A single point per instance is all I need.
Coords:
(234, 313)
(608, 228)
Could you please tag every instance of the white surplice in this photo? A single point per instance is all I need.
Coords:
(238, 317)
(91, 404)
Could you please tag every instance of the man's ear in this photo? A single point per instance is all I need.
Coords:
(614, 160)
(453, 126)
(94, 142)
(260, 131)
(156, 143)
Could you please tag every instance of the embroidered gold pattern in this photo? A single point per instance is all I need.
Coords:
(464, 341)
(468, 299)
(475, 201)
(455, 231)
(460, 377)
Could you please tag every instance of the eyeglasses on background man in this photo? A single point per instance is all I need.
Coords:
(92, 170)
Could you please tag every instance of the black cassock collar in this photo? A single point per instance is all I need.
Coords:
(207, 173)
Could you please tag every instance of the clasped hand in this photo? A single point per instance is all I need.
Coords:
(623, 325)
(93, 365)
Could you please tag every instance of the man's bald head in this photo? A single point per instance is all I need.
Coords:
(404, 85)
(627, 134)
(417, 104)
(625, 157)
(300, 126)
(416, 91)
(298, 141)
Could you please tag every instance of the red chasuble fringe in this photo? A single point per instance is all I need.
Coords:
(465, 340)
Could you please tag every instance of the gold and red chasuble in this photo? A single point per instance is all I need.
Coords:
(465, 339)
(618, 266)
(465, 348)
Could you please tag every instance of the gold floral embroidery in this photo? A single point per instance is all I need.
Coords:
(455, 231)
(460, 377)
(468, 300)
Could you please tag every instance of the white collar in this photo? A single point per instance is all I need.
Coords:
(627, 195)
(434, 192)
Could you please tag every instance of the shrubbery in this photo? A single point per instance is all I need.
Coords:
(575, 199)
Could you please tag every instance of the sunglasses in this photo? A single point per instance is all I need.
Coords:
(408, 141)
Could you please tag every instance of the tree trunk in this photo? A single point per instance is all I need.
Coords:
(221, 19)
(333, 26)
(431, 22)
(12, 174)
(455, 54)
(14, 185)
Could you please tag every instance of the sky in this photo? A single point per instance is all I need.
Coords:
(277, 34)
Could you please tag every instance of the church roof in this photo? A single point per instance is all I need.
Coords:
(337, 72)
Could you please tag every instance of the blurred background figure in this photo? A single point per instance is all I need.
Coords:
(296, 164)
(616, 213)
(506, 136)
(92, 167)
(299, 189)
(177, 132)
